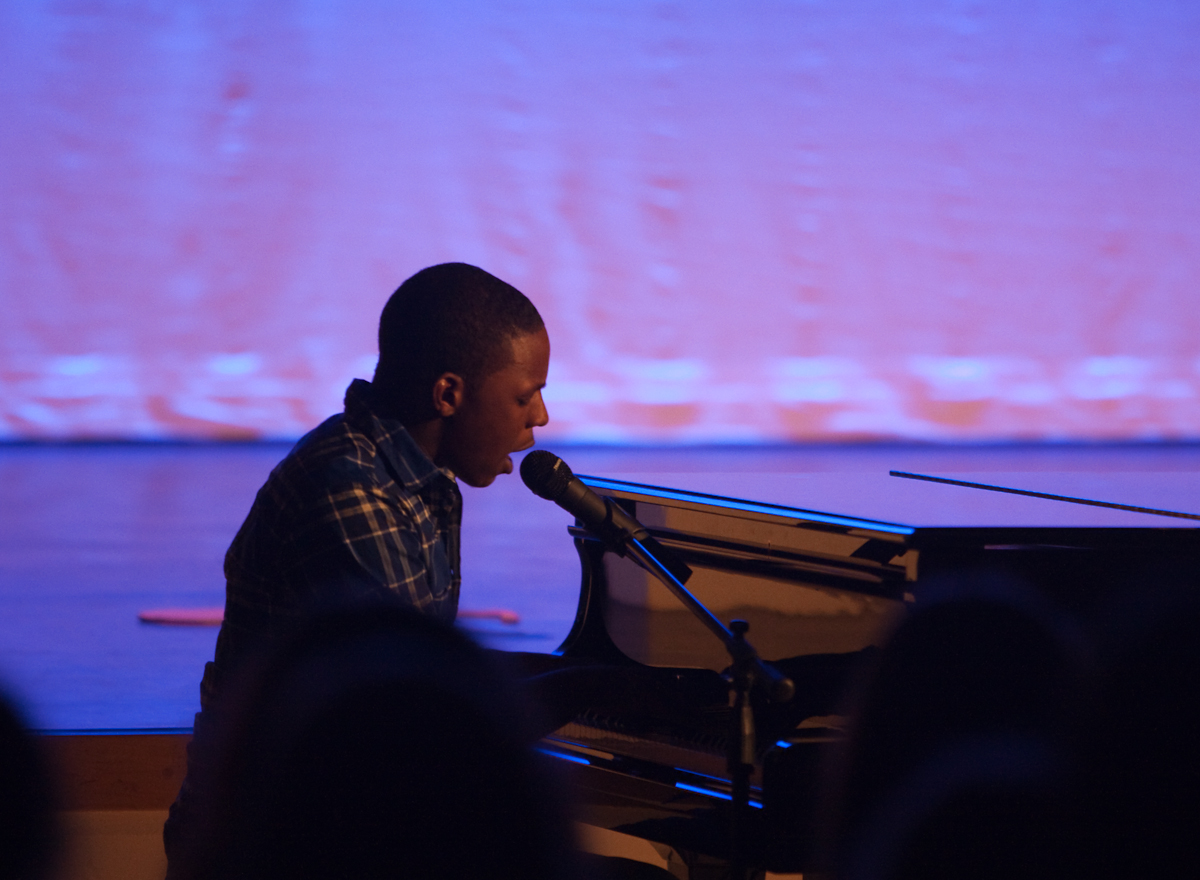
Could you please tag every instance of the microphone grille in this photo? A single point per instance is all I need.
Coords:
(546, 474)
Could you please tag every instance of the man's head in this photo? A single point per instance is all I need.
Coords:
(463, 358)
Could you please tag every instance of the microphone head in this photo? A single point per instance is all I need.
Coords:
(546, 474)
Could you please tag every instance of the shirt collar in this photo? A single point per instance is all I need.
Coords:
(412, 467)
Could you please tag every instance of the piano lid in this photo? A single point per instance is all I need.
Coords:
(819, 562)
(880, 502)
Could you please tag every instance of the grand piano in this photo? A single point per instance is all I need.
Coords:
(817, 564)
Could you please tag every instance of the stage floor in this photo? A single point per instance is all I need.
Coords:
(92, 534)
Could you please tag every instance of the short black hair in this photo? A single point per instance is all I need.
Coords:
(449, 318)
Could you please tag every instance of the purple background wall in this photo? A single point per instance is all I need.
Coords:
(742, 222)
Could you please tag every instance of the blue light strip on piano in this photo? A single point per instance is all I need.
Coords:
(573, 758)
(697, 775)
(750, 506)
(710, 793)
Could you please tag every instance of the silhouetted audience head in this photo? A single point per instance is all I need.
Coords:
(377, 743)
(979, 807)
(1136, 732)
(952, 745)
(28, 831)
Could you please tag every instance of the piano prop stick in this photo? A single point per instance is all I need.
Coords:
(549, 477)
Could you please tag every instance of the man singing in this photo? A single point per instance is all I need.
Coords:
(365, 507)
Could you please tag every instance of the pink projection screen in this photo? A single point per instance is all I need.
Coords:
(743, 222)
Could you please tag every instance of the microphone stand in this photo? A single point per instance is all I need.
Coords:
(746, 670)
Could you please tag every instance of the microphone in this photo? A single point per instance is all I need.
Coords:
(548, 476)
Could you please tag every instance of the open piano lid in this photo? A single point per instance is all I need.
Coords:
(895, 503)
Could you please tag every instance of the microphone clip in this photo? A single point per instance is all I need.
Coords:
(619, 527)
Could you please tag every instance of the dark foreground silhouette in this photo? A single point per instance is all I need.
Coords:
(373, 743)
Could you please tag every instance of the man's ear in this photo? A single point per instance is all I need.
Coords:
(448, 393)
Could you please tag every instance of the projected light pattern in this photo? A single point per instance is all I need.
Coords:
(784, 220)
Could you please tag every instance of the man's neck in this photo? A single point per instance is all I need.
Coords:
(428, 435)
(425, 430)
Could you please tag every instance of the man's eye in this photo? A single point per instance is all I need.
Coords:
(524, 401)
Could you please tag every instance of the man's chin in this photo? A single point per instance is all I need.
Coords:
(483, 480)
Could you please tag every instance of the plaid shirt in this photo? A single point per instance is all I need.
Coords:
(355, 511)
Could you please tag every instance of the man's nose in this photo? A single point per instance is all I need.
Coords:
(540, 416)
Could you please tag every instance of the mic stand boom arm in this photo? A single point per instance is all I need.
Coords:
(746, 670)
(601, 518)
(778, 686)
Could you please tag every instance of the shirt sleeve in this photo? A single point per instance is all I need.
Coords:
(363, 541)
